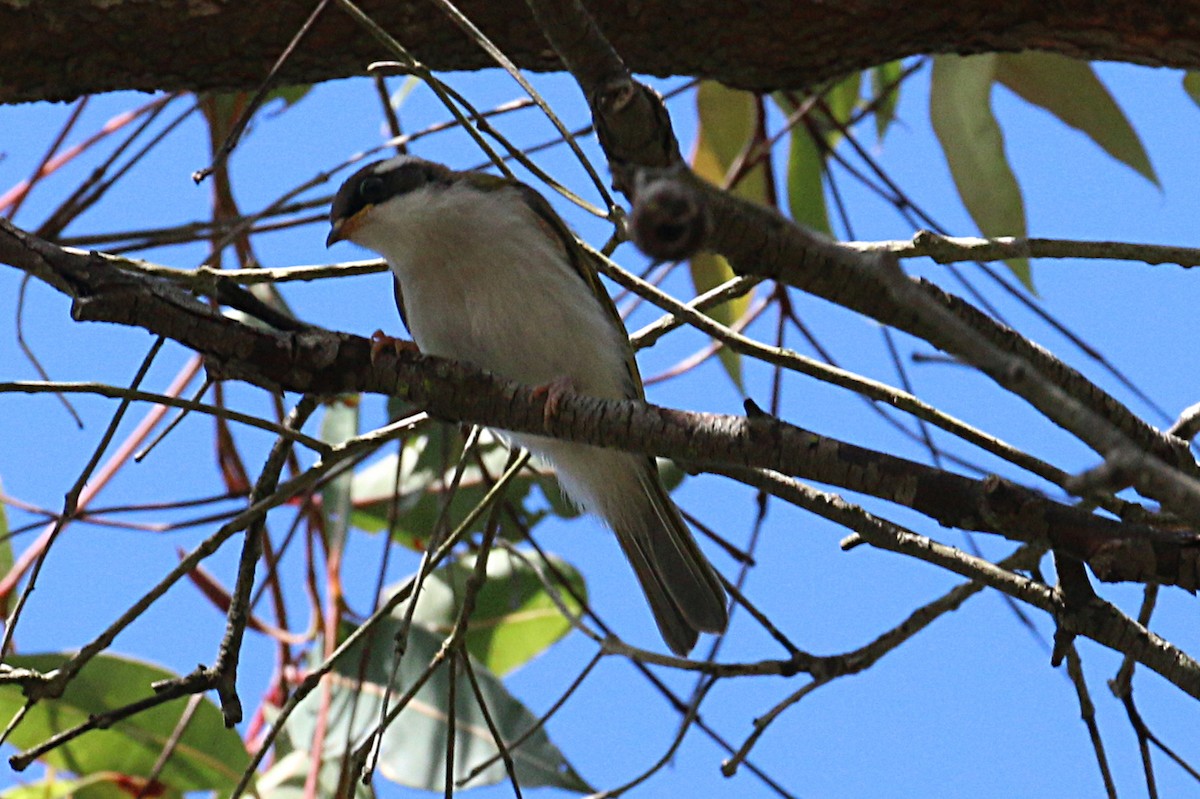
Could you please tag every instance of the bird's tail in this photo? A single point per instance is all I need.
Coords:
(683, 589)
(681, 586)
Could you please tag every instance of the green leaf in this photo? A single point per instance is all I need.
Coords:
(290, 95)
(806, 171)
(515, 619)
(885, 87)
(842, 99)
(710, 270)
(338, 425)
(287, 776)
(805, 181)
(426, 467)
(413, 747)
(728, 126)
(1191, 85)
(961, 111)
(102, 785)
(208, 756)
(1070, 89)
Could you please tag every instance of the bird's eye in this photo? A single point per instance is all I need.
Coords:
(370, 191)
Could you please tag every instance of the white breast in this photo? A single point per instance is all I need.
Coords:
(483, 283)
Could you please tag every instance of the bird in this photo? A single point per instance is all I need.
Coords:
(488, 273)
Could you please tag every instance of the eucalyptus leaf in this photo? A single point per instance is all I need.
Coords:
(728, 125)
(1070, 89)
(289, 95)
(207, 756)
(338, 425)
(710, 270)
(842, 99)
(413, 748)
(961, 111)
(1191, 85)
(413, 485)
(288, 776)
(885, 87)
(515, 618)
(805, 181)
(101, 785)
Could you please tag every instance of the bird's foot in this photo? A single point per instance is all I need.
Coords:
(381, 341)
(554, 391)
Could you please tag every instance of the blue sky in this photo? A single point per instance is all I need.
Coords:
(970, 706)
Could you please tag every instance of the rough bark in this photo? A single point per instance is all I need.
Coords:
(60, 49)
(314, 361)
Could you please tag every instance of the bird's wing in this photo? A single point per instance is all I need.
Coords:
(398, 292)
(583, 266)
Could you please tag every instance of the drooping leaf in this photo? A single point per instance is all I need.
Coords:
(289, 95)
(413, 748)
(885, 89)
(710, 270)
(842, 99)
(807, 156)
(515, 619)
(805, 175)
(398, 407)
(288, 775)
(1070, 89)
(1191, 85)
(101, 785)
(426, 469)
(961, 111)
(805, 181)
(806, 169)
(397, 98)
(728, 124)
(338, 425)
(208, 757)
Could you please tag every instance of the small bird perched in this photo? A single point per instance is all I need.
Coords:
(489, 274)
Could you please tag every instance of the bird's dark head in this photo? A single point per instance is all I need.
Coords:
(374, 185)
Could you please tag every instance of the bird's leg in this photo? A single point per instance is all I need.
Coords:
(381, 341)
(554, 391)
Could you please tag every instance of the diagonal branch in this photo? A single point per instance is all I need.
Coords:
(315, 361)
(676, 213)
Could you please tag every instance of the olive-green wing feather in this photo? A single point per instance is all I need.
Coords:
(583, 264)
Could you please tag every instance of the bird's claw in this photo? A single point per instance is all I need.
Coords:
(553, 391)
(381, 341)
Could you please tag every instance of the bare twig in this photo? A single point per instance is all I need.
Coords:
(267, 84)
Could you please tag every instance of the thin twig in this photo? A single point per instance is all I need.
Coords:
(71, 503)
(134, 395)
(267, 84)
(1087, 711)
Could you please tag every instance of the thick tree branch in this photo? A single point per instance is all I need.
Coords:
(176, 44)
(672, 205)
(760, 242)
(315, 361)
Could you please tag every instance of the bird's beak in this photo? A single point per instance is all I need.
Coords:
(344, 228)
(337, 233)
